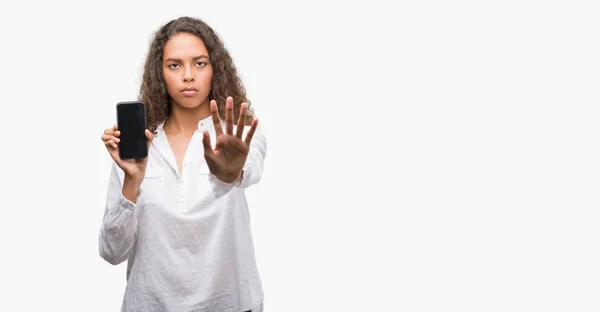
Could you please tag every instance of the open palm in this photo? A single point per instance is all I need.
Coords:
(227, 159)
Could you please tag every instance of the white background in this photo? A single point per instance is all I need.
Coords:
(422, 155)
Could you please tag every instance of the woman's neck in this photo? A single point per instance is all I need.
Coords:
(185, 120)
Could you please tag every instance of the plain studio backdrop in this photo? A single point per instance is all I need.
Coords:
(422, 156)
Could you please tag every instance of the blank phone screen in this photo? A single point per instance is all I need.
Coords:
(131, 120)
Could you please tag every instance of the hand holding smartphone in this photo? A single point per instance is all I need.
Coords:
(129, 140)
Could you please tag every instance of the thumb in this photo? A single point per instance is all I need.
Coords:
(149, 136)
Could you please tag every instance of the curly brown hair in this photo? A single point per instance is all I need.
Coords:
(225, 80)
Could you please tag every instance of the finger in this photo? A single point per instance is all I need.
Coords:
(251, 131)
(107, 137)
(115, 127)
(215, 117)
(117, 133)
(109, 131)
(206, 143)
(229, 115)
(111, 143)
(241, 121)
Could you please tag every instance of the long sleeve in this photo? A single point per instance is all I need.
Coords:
(253, 169)
(255, 163)
(119, 224)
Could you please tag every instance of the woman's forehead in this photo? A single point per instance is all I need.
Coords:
(185, 46)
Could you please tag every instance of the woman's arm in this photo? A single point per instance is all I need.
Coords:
(236, 159)
(253, 169)
(119, 224)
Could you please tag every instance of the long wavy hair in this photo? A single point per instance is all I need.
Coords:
(225, 79)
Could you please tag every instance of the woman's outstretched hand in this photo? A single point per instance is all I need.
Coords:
(227, 159)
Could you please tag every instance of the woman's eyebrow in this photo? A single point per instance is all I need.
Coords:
(171, 59)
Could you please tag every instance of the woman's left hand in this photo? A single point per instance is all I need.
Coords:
(228, 158)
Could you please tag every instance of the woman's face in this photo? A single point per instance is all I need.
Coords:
(187, 70)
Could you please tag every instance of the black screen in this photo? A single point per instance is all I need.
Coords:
(131, 120)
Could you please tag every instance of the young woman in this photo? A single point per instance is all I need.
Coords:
(180, 217)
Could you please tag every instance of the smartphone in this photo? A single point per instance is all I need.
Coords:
(131, 120)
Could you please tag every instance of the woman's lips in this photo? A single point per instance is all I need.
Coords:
(189, 91)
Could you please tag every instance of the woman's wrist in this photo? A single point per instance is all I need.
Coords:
(131, 187)
(231, 178)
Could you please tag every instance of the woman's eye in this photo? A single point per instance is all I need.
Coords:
(172, 65)
(201, 64)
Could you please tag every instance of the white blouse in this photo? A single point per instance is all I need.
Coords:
(187, 240)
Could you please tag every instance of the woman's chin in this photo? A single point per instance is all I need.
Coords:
(188, 103)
